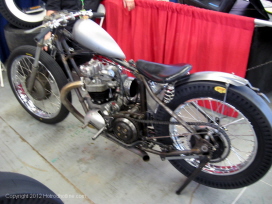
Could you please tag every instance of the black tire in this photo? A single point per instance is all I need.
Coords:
(22, 38)
(44, 102)
(17, 188)
(243, 106)
(17, 17)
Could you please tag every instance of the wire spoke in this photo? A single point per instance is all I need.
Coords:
(224, 115)
(47, 104)
(234, 122)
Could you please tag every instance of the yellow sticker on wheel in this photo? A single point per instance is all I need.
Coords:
(29, 54)
(220, 89)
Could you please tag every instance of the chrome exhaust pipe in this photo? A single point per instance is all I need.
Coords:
(140, 153)
(131, 147)
(95, 119)
(63, 98)
(92, 119)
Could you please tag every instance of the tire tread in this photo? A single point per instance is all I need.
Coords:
(55, 70)
(262, 127)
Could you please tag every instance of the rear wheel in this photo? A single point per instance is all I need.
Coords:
(241, 130)
(43, 102)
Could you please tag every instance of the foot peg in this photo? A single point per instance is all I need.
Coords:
(98, 133)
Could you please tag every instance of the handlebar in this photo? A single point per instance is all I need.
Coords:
(41, 35)
(61, 19)
(98, 15)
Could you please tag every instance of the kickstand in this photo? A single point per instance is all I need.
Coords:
(203, 161)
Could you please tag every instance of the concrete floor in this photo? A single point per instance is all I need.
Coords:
(79, 170)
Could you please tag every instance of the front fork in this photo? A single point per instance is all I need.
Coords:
(35, 66)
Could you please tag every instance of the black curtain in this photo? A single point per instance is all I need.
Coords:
(259, 71)
(4, 51)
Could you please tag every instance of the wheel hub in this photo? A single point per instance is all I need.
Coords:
(217, 138)
(41, 89)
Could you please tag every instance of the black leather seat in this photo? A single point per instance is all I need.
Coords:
(162, 73)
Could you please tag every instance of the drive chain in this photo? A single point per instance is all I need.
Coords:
(169, 123)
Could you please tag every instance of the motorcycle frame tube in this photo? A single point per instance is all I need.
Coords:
(124, 64)
(156, 152)
(172, 113)
(66, 48)
(69, 56)
(62, 45)
(143, 103)
(64, 61)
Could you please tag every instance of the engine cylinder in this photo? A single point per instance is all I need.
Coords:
(100, 97)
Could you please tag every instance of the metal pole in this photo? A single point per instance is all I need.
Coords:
(259, 22)
(1, 75)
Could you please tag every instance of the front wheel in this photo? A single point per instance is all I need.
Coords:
(241, 123)
(43, 102)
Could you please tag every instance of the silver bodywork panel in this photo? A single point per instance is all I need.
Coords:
(92, 36)
(207, 76)
(220, 77)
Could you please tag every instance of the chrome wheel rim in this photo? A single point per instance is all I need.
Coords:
(46, 107)
(242, 136)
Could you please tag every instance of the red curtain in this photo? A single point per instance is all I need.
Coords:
(171, 33)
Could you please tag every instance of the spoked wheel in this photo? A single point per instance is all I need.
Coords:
(20, 17)
(233, 128)
(237, 128)
(43, 101)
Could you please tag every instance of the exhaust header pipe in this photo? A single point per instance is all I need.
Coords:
(63, 98)
(92, 119)
(140, 153)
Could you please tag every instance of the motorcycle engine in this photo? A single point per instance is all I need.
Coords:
(104, 80)
(111, 91)
(99, 81)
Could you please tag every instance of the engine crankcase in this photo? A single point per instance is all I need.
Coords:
(125, 130)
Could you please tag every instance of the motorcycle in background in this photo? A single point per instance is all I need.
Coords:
(21, 17)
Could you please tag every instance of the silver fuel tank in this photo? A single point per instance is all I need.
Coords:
(92, 36)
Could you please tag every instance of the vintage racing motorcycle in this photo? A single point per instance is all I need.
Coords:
(213, 127)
